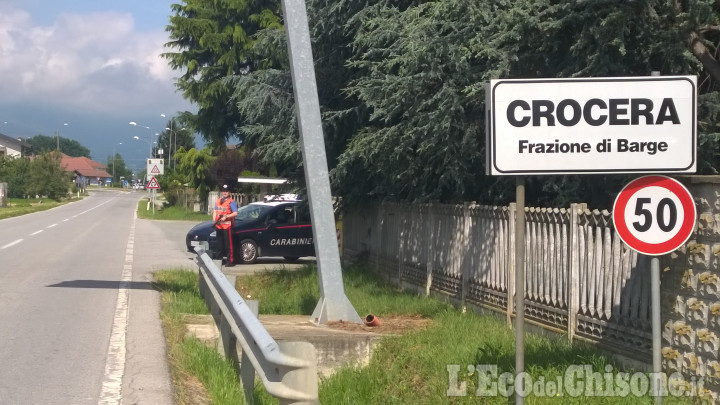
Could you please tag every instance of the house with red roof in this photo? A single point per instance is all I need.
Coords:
(85, 171)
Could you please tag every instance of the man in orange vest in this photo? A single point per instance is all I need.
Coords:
(224, 215)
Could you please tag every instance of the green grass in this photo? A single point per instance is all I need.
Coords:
(284, 292)
(413, 368)
(169, 213)
(190, 359)
(22, 206)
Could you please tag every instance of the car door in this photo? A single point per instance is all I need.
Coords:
(304, 230)
(277, 239)
(288, 234)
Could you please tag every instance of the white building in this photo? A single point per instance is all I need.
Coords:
(12, 147)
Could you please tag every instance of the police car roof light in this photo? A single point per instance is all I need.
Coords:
(281, 197)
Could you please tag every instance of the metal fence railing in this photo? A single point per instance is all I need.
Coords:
(288, 370)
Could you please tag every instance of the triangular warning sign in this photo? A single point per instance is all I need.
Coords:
(155, 170)
(153, 183)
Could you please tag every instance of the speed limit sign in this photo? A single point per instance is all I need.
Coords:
(654, 215)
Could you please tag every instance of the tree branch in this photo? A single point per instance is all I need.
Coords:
(701, 52)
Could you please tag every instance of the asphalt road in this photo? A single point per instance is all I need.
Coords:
(79, 319)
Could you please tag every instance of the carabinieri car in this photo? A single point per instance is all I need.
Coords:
(276, 227)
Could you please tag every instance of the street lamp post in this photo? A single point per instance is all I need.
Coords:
(171, 134)
(57, 137)
(171, 145)
(135, 124)
(113, 161)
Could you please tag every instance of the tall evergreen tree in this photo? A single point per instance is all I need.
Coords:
(401, 83)
(214, 39)
(423, 72)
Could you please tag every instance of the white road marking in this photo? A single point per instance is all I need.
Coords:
(111, 392)
(11, 244)
(64, 220)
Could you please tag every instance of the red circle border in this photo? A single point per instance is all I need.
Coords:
(654, 249)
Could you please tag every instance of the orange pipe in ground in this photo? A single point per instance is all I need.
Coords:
(372, 320)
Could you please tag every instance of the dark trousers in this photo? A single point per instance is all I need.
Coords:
(224, 237)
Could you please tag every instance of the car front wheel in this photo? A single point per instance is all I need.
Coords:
(248, 251)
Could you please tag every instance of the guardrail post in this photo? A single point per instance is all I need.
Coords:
(288, 371)
(300, 379)
(247, 372)
(203, 287)
(227, 343)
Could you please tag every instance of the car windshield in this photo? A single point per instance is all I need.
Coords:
(252, 212)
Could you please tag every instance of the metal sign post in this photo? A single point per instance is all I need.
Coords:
(334, 304)
(519, 287)
(155, 167)
(654, 215)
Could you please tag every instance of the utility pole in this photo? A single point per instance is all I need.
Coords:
(57, 138)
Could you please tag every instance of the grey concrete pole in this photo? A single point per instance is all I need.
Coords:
(334, 304)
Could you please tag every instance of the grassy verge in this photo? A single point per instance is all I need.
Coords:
(168, 213)
(199, 375)
(415, 367)
(22, 206)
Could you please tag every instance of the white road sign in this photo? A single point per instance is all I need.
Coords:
(155, 167)
(592, 125)
(654, 215)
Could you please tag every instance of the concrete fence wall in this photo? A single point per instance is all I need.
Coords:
(581, 279)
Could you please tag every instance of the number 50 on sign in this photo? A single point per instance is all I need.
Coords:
(654, 215)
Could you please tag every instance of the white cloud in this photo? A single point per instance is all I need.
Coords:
(95, 70)
(95, 61)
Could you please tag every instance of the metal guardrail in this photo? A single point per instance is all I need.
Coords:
(288, 370)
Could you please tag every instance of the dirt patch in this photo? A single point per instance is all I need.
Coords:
(391, 324)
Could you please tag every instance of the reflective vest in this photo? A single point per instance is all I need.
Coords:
(222, 208)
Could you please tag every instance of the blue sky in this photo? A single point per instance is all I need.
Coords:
(94, 65)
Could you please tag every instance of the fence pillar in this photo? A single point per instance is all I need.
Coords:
(401, 254)
(573, 281)
(381, 230)
(3, 194)
(429, 250)
(466, 270)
